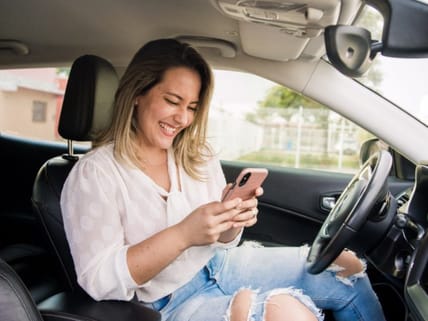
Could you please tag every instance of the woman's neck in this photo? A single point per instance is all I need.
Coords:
(154, 163)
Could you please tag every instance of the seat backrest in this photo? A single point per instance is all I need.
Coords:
(16, 303)
(87, 108)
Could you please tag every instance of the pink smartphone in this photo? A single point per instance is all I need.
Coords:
(246, 183)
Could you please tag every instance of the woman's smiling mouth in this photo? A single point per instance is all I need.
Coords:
(169, 130)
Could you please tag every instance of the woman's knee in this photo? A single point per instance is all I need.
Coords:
(285, 307)
(349, 264)
(278, 306)
(240, 307)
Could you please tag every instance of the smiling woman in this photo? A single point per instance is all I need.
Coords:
(174, 241)
(278, 103)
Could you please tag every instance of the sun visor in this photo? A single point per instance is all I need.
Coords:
(301, 18)
(297, 22)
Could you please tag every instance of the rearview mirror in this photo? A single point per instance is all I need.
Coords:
(350, 49)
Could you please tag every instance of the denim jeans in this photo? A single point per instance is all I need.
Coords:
(268, 271)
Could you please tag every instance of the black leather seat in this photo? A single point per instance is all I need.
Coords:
(86, 109)
(16, 303)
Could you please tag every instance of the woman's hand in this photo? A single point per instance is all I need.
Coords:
(245, 218)
(219, 221)
(206, 224)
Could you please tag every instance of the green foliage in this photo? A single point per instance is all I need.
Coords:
(281, 97)
(63, 71)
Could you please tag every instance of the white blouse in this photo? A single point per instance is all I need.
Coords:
(108, 206)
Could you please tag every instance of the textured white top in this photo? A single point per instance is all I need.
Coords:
(108, 206)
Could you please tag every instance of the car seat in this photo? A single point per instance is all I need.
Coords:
(87, 109)
(16, 303)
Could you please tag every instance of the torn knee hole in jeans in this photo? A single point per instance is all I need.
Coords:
(336, 268)
(349, 279)
(298, 295)
(249, 295)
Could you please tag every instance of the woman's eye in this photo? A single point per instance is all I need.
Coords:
(175, 103)
(193, 109)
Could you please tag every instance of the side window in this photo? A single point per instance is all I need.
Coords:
(37, 94)
(255, 120)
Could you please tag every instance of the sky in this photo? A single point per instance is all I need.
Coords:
(405, 82)
(239, 91)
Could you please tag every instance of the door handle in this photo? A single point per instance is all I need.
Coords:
(328, 201)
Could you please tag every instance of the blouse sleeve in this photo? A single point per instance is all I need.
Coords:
(94, 231)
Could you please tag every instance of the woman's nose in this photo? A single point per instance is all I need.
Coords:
(181, 116)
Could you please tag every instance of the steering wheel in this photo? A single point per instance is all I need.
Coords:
(352, 210)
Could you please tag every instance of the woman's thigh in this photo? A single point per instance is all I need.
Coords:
(262, 268)
(269, 268)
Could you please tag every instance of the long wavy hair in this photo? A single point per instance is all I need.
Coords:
(145, 70)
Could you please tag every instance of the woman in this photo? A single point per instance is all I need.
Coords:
(143, 216)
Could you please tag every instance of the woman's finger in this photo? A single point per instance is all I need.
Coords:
(247, 215)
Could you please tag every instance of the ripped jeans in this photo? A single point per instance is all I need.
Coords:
(268, 271)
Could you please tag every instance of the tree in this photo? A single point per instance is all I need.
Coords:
(63, 71)
(281, 97)
(286, 103)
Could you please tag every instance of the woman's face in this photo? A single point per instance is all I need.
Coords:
(168, 107)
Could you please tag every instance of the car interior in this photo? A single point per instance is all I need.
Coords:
(385, 222)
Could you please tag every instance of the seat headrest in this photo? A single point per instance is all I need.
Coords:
(88, 99)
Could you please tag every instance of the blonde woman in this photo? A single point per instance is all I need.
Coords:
(144, 220)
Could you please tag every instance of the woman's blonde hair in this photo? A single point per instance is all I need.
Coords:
(145, 71)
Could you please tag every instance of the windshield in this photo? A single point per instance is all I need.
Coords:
(402, 81)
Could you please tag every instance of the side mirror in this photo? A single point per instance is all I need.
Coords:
(350, 49)
(369, 147)
(402, 167)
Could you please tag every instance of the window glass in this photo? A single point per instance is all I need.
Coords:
(30, 102)
(261, 122)
(402, 81)
(251, 119)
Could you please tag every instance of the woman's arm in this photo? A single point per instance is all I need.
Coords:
(203, 226)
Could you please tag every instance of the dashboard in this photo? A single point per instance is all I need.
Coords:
(416, 283)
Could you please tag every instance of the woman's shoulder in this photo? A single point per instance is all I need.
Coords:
(96, 159)
(98, 154)
(93, 167)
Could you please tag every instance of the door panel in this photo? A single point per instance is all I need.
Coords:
(20, 161)
(290, 211)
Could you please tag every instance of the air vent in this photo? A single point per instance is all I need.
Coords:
(403, 198)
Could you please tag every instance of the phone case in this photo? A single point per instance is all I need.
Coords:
(246, 183)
